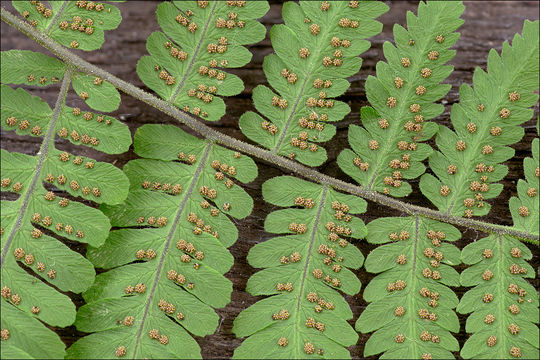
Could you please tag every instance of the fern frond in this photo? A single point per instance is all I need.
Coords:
(302, 272)
(77, 24)
(388, 148)
(187, 61)
(316, 50)
(168, 259)
(32, 222)
(411, 308)
(503, 305)
(485, 121)
(525, 207)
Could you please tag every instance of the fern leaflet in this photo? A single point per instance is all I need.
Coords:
(503, 306)
(168, 259)
(77, 24)
(525, 207)
(502, 322)
(32, 222)
(316, 50)
(386, 150)
(199, 40)
(302, 271)
(485, 121)
(411, 305)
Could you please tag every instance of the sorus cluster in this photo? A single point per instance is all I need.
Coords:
(166, 187)
(41, 9)
(284, 287)
(268, 126)
(90, 5)
(23, 125)
(139, 288)
(154, 335)
(293, 258)
(78, 24)
(148, 254)
(200, 226)
(186, 21)
(6, 182)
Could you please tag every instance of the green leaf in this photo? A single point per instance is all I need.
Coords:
(485, 121)
(30, 68)
(503, 305)
(35, 223)
(388, 149)
(112, 136)
(199, 41)
(89, 20)
(23, 112)
(302, 272)
(296, 115)
(411, 306)
(525, 207)
(174, 230)
(100, 95)
(49, 345)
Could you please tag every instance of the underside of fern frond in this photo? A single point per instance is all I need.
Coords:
(411, 305)
(388, 148)
(485, 121)
(77, 24)
(34, 224)
(316, 50)
(503, 305)
(303, 271)
(169, 258)
(201, 39)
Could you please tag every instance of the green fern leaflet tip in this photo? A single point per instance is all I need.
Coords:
(389, 148)
(485, 121)
(200, 40)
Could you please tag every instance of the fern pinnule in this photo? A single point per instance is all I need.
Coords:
(389, 148)
(485, 122)
(525, 207)
(32, 222)
(168, 258)
(316, 50)
(303, 272)
(411, 306)
(75, 24)
(187, 61)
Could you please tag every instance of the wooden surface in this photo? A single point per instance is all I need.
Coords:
(487, 25)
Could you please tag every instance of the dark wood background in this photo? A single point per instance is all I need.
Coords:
(487, 25)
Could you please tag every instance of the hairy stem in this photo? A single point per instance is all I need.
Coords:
(252, 150)
(48, 141)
